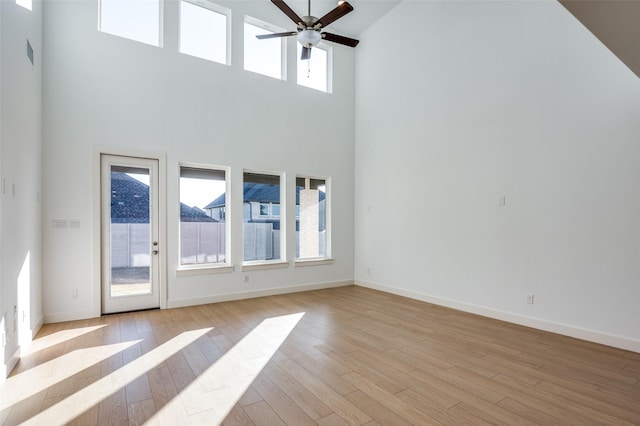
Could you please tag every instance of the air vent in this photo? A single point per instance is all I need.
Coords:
(30, 52)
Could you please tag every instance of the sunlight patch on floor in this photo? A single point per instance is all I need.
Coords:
(220, 387)
(43, 376)
(53, 339)
(74, 405)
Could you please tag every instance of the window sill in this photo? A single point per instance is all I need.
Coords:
(204, 269)
(314, 262)
(256, 266)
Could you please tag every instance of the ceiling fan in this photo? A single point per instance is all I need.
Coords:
(309, 31)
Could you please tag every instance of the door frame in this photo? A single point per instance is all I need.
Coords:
(129, 302)
(98, 151)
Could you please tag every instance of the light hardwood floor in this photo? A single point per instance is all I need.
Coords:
(341, 356)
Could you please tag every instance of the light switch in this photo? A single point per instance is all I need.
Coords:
(59, 223)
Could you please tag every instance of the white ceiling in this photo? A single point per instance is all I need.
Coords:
(365, 13)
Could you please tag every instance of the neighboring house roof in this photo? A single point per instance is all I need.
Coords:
(193, 214)
(262, 192)
(129, 202)
(259, 192)
(218, 202)
(252, 192)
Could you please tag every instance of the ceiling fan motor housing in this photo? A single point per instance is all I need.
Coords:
(308, 21)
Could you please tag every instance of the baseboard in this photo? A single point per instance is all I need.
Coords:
(537, 323)
(68, 316)
(180, 303)
(37, 327)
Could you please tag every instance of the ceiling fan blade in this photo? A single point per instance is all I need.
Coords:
(337, 13)
(274, 35)
(306, 53)
(351, 42)
(280, 4)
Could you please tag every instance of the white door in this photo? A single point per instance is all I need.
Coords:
(130, 245)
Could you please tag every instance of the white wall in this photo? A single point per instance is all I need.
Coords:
(20, 165)
(105, 91)
(460, 103)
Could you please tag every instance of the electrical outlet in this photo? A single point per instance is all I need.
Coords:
(530, 299)
(246, 278)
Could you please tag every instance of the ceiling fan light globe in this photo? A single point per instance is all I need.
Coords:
(309, 38)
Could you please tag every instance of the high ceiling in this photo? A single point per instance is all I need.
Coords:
(365, 13)
(615, 23)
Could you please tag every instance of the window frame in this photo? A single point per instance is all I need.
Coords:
(327, 258)
(216, 8)
(283, 45)
(266, 213)
(271, 210)
(227, 265)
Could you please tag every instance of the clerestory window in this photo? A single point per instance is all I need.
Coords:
(266, 56)
(205, 31)
(137, 20)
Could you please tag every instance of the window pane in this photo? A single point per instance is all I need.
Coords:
(133, 19)
(203, 32)
(262, 56)
(130, 232)
(202, 216)
(27, 4)
(262, 232)
(311, 238)
(313, 72)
